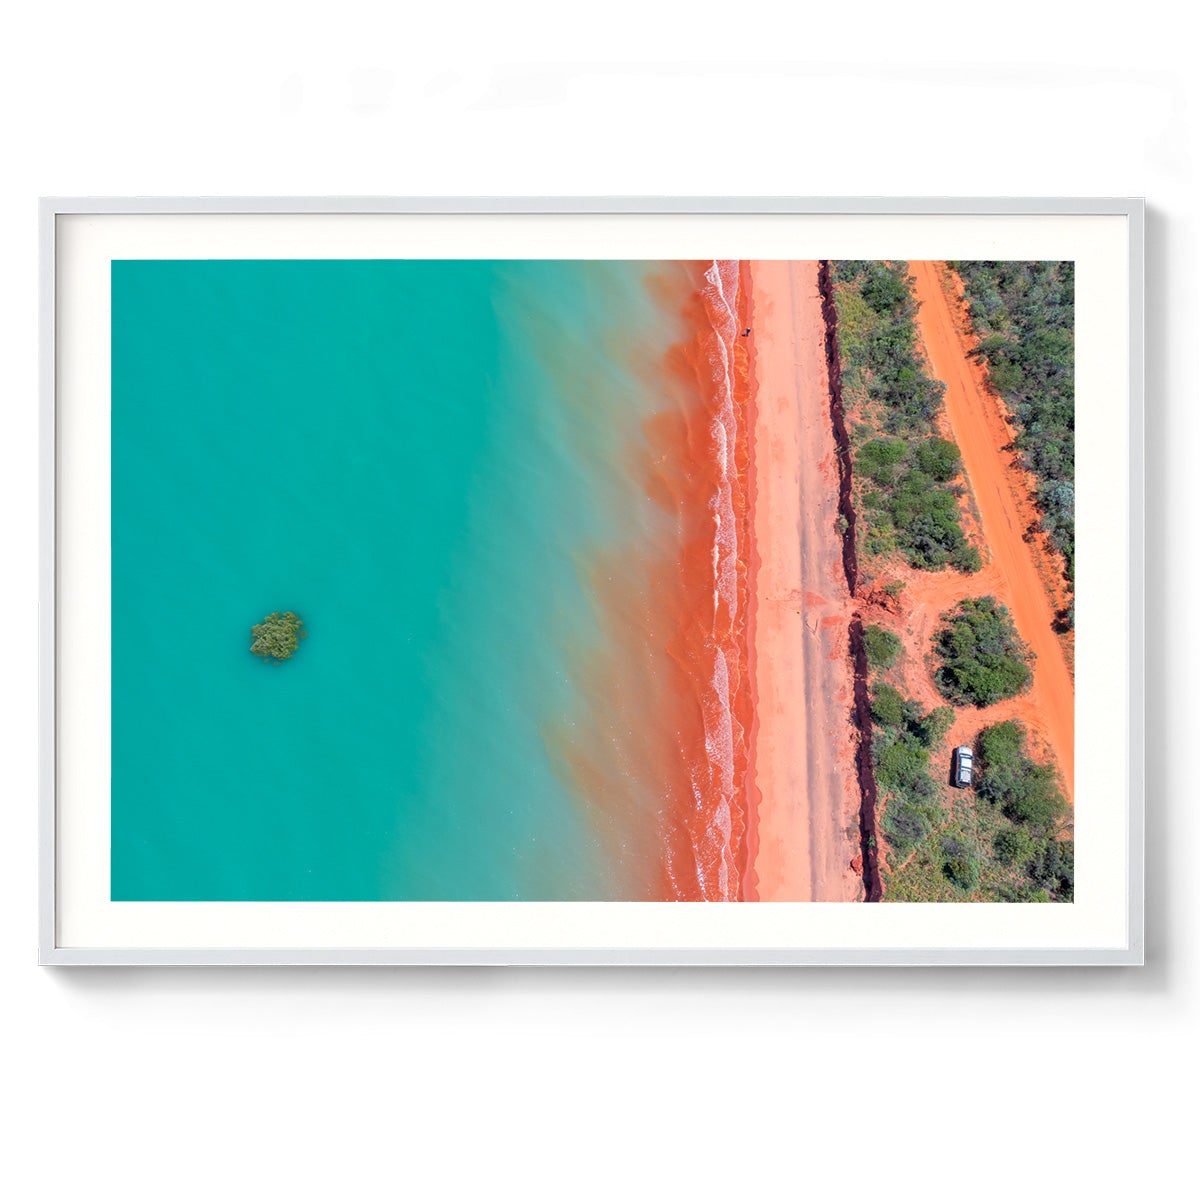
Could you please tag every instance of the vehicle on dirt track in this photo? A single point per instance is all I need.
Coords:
(961, 766)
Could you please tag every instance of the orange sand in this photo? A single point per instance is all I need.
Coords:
(803, 798)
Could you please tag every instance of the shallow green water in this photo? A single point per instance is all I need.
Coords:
(418, 458)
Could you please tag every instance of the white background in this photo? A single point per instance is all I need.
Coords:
(307, 1083)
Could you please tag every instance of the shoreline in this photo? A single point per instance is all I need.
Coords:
(802, 801)
(658, 752)
(751, 793)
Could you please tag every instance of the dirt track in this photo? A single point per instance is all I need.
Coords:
(1001, 492)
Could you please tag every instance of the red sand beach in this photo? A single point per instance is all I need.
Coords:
(803, 800)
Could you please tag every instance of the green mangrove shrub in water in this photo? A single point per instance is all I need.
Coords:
(277, 637)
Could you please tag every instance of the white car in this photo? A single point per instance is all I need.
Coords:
(963, 761)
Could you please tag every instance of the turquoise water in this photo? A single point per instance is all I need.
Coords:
(421, 459)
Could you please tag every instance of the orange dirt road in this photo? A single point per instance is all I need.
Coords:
(981, 431)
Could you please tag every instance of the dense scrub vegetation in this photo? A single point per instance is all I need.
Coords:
(882, 646)
(960, 864)
(1027, 794)
(908, 755)
(277, 637)
(902, 741)
(905, 471)
(1024, 314)
(982, 658)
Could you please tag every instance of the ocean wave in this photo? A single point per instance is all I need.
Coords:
(714, 780)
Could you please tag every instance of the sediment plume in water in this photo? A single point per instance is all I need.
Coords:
(663, 763)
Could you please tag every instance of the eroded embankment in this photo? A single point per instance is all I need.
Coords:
(837, 410)
(872, 881)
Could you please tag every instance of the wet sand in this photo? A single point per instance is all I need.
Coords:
(803, 831)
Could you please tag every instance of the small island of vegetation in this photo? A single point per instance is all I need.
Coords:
(982, 658)
(277, 637)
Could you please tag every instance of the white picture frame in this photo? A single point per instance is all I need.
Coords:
(585, 934)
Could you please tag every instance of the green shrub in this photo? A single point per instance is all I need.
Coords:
(959, 865)
(1037, 802)
(939, 459)
(1021, 894)
(1001, 743)
(884, 290)
(903, 766)
(926, 518)
(920, 510)
(963, 873)
(936, 725)
(1014, 845)
(1026, 791)
(1054, 868)
(901, 763)
(877, 460)
(905, 825)
(881, 646)
(982, 659)
(277, 637)
(965, 558)
(887, 705)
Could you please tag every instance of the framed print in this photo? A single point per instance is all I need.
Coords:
(592, 581)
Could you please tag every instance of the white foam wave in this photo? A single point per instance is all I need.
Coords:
(720, 298)
(712, 779)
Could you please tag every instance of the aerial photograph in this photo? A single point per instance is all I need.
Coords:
(592, 580)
